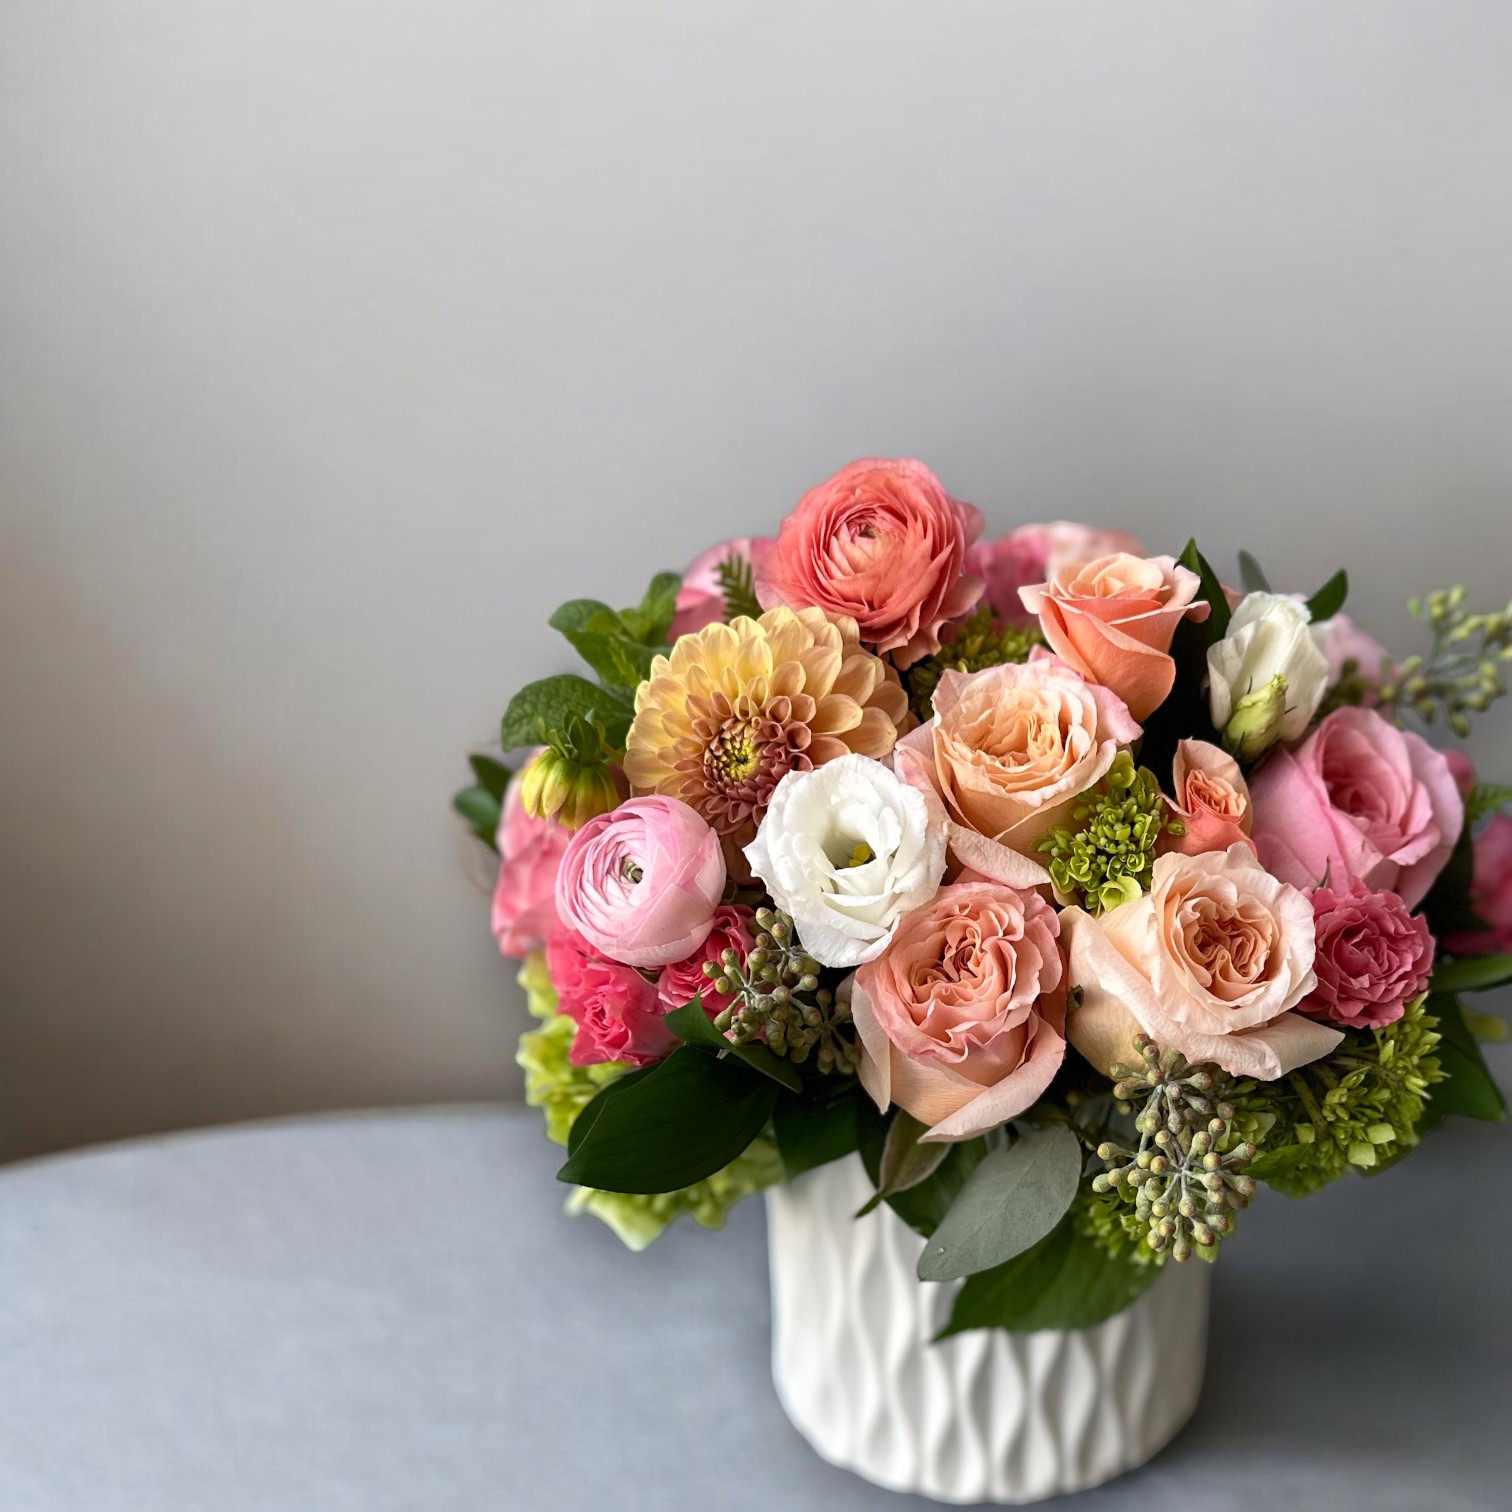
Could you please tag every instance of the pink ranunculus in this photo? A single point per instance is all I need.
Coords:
(700, 600)
(1033, 553)
(642, 882)
(683, 980)
(882, 543)
(530, 855)
(1358, 800)
(1373, 957)
(618, 1014)
(1009, 751)
(1210, 962)
(1212, 800)
(961, 1019)
(1113, 619)
(1342, 641)
(1490, 893)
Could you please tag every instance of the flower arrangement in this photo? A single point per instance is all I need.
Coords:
(1074, 889)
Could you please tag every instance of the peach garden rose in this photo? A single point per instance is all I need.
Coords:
(961, 1019)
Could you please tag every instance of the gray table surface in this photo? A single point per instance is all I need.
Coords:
(388, 1313)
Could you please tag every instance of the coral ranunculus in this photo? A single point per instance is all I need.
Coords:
(530, 855)
(961, 1019)
(882, 543)
(618, 1014)
(1113, 619)
(1373, 957)
(737, 707)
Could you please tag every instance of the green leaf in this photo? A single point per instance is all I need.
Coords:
(684, 1119)
(1488, 1028)
(906, 1163)
(811, 1131)
(583, 1124)
(693, 1027)
(1468, 1089)
(658, 608)
(1215, 627)
(1486, 798)
(1252, 574)
(1065, 1281)
(493, 776)
(541, 711)
(1448, 908)
(921, 1207)
(1012, 1200)
(1329, 599)
(1472, 974)
(482, 811)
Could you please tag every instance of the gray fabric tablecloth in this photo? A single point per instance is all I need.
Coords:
(389, 1313)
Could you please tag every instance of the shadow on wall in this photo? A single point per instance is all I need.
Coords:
(139, 987)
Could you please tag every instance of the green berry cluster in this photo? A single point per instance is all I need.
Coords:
(1462, 674)
(1186, 1180)
(778, 999)
(1106, 856)
(1358, 1108)
(978, 642)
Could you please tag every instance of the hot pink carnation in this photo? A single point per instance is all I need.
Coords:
(962, 1018)
(700, 601)
(524, 900)
(1033, 553)
(882, 543)
(1373, 957)
(1358, 800)
(1490, 892)
(682, 981)
(618, 1014)
(642, 881)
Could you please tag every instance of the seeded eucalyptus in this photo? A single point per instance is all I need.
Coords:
(1462, 674)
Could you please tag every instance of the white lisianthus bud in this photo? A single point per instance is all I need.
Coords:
(846, 850)
(1267, 674)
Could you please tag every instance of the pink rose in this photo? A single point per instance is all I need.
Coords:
(1358, 799)
(1009, 751)
(700, 600)
(683, 980)
(1212, 800)
(524, 900)
(1113, 619)
(618, 1014)
(1210, 962)
(962, 1018)
(1031, 554)
(1342, 641)
(1462, 769)
(883, 544)
(642, 882)
(1490, 893)
(1373, 957)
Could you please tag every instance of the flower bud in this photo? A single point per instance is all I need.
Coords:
(1255, 724)
(556, 786)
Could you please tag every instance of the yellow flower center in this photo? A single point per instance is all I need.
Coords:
(859, 856)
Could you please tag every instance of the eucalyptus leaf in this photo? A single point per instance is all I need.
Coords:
(1252, 574)
(1329, 599)
(1472, 974)
(543, 710)
(906, 1163)
(921, 1207)
(1009, 1203)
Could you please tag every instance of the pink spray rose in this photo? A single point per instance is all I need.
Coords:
(1033, 553)
(682, 981)
(1113, 619)
(524, 900)
(618, 1014)
(1373, 957)
(642, 882)
(1212, 800)
(700, 600)
(1358, 800)
(1009, 751)
(961, 1019)
(882, 543)
(1490, 893)
(1210, 962)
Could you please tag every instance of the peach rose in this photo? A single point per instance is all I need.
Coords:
(1113, 619)
(1031, 553)
(961, 1019)
(883, 544)
(1210, 962)
(1009, 751)
(1212, 800)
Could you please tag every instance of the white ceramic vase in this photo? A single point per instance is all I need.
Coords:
(983, 1416)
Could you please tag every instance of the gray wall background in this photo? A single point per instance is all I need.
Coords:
(339, 341)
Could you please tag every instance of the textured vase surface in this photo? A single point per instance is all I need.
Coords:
(985, 1415)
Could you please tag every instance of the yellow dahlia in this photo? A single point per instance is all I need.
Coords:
(736, 707)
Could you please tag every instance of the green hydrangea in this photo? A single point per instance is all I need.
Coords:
(562, 1091)
(1357, 1109)
(974, 645)
(1106, 855)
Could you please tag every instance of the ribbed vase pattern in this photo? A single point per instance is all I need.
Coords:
(983, 1416)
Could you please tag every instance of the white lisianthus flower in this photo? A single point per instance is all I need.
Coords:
(1267, 675)
(846, 850)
